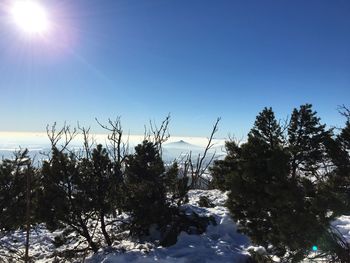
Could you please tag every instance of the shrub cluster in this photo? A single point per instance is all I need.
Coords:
(73, 189)
(287, 183)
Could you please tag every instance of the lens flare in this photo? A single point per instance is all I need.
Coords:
(30, 16)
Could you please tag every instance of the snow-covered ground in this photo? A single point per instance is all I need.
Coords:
(343, 225)
(220, 243)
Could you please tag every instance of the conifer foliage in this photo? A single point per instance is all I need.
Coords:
(307, 139)
(146, 189)
(82, 188)
(79, 188)
(278, 183)
(64, 193)
(285, 184)
(100, 177)
(14, 174)
(339, 150)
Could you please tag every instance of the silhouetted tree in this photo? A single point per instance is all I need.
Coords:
(13, 189)
(267, 129)
(340, 153)
(117, 150)
(99, 178)
(222, 169)
(64, 199)
(274, 189)
(177, 185)
(19, 185)
(145, 189)
(306, 141)
(260, 192)
(105, 177)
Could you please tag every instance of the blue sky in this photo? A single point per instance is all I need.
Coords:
(196, 59)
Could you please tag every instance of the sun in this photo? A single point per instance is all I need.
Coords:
(30, 16)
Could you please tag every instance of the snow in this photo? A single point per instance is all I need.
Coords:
(342, 223)
(220, 243)
(41, 244)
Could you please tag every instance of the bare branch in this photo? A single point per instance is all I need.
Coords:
(88, 140)
(118, 149)
(209, 145)
(66, 134)
(344, 111)
(284, 124)
(158, 135)
(198, 169)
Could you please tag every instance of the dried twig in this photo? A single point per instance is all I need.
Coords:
(118, 149)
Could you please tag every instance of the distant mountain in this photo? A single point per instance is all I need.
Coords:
(181, 145)
(181, 148)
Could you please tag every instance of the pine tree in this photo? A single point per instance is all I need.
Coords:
(221, 170)
(13, 188)
(267, 129)
(339, 149)
(341, 156)
(307, 138)
(146, 189)
(257, 176)
(260, 193)
(310, 145)
(102, 170)
(337, 194)
(99, 178)
(177, 186)
(277, 205)
(154, 196)
(64, 200)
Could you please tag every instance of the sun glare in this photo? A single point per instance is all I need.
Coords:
(30, 16)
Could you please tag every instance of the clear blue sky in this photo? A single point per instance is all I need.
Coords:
(196, 59)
